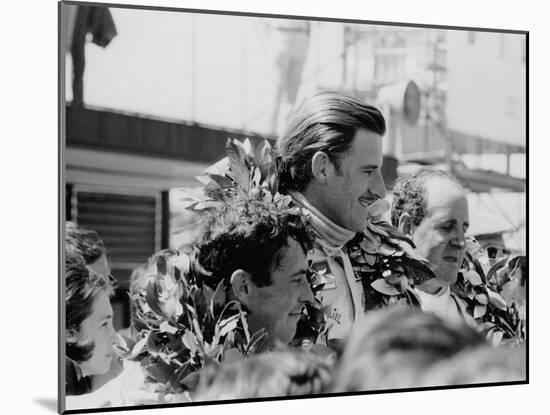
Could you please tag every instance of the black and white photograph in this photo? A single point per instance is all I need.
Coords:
(262, 206)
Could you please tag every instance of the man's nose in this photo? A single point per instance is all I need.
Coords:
(378, 187)
(114, 339)
(306, 295)
(459, 239)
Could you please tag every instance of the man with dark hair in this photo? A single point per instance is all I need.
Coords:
(258, 249)
(241, 290)
(328, 123)
(331, 166)
(431, 207)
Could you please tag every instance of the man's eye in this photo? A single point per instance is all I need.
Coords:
(298, 280)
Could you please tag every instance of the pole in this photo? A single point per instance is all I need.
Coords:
(193, 66)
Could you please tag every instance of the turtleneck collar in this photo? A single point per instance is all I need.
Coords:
(331, 236)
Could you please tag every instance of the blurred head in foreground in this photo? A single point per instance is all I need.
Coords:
(393, 347)
(482, 365)
(279, 373)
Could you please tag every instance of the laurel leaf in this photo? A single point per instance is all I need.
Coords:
(382, 286)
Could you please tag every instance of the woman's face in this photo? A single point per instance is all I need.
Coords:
(440, 235)
(98, 329)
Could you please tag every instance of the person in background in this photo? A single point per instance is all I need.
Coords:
(91, 346)
(289, 48)
(89, 333)
(431, 207)
(86, 245)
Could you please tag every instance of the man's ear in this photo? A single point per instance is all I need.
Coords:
(406, 224)
(321, 166)
(241, 285)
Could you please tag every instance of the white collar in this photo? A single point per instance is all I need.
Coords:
(331, 237)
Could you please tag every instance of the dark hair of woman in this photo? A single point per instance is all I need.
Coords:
(81, 289)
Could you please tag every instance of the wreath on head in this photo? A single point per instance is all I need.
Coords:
(182, 324)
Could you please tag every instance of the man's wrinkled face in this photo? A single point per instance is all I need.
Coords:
(440, 235)
(277, 307)
(98, 328)
(356, 184)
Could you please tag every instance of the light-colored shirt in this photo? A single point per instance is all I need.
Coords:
(441, 304)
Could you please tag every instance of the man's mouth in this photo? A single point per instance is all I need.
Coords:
(364, 201)
(375, 206)
(451, 259)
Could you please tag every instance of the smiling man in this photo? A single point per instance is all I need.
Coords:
(332, 156)
(259, 250)
(431, 207)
